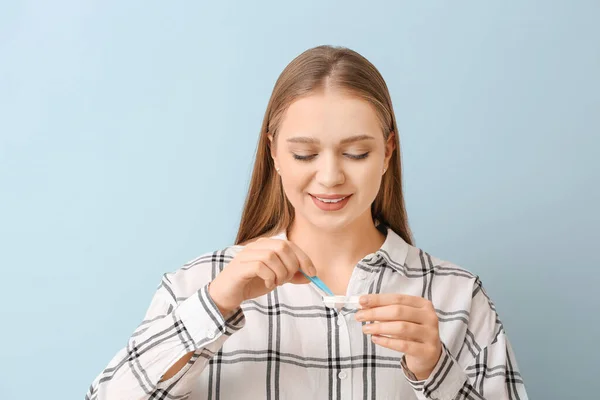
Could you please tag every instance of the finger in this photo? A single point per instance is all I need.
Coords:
(299, 279)
(409, 347)
(263, 272)
(384, 299)
(393, 313)
(272, 260)
(284, 252)
(400, 330)
(306, 263)
(287, 256)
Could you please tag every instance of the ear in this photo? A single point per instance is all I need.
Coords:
(272, 149)
(390, 146)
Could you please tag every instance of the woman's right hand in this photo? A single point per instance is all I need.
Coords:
(258, 269)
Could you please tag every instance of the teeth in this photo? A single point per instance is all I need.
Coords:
(330, 200)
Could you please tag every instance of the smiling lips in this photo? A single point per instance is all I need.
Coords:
(330, 202)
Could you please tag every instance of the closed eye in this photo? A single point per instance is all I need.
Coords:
(304, 158)
(357, 156)
(312, 156)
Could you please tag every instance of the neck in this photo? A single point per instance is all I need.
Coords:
(338, 251)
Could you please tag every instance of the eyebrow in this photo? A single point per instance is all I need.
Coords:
(311, 140)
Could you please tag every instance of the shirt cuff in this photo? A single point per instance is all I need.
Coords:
(444, 382)
(205, 323)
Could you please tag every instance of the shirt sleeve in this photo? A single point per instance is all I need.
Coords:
(167, 333)
(484, 367)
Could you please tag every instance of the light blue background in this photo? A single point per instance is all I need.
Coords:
(128, 129)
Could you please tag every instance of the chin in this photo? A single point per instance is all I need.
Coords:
(331, 223)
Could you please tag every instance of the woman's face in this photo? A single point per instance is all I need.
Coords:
(331, 155)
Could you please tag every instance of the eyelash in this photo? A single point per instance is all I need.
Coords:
(351, 156)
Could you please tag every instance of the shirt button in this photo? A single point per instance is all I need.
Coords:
(362, 275)
(210, 334)
(342, 375)
(340, 322)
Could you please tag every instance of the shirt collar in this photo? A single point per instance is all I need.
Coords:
(394, 251)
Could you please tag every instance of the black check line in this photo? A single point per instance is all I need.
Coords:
(219, 259)
(338, 366)
(204, 258)
(161, 394)
(210, 310)
(432, 273)
(441, 374)
(165, 284)
(484, 374)
(374, 346)
(367, 354)
(516, 377)
(211, 373)
(188, 342)
(270, 348)
(279, 312)
(500, 330)
(320, 362)
(510, 379)
(467, 392)
(400, 268)
(329, 359)
(277, 343)
(133, 361)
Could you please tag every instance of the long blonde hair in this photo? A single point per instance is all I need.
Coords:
(267, 210)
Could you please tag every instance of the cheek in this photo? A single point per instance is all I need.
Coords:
(366, 177)
(296, 180)
(294, 175)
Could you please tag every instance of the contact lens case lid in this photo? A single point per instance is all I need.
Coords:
(341, 301)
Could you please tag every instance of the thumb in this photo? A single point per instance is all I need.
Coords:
(299, 279)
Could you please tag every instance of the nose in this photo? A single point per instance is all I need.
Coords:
(330, 172)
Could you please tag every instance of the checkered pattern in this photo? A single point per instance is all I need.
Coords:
(287, 345)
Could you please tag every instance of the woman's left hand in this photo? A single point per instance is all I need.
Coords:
(408, 324)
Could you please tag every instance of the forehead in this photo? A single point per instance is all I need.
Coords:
(329, 116)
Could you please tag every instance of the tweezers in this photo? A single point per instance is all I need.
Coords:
(319, 284)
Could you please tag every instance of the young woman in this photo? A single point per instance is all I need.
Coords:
(325, 200)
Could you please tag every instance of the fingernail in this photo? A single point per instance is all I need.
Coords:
(358, 316)
(367, 329)
(364, 300)
(313, 271)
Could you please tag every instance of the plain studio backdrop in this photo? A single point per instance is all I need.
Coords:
(128, 131)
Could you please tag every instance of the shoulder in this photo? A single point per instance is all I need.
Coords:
(179, 284)
(421, 261)
(446, 282)
(415, 262)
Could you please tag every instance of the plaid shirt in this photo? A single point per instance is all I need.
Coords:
(288, 345)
